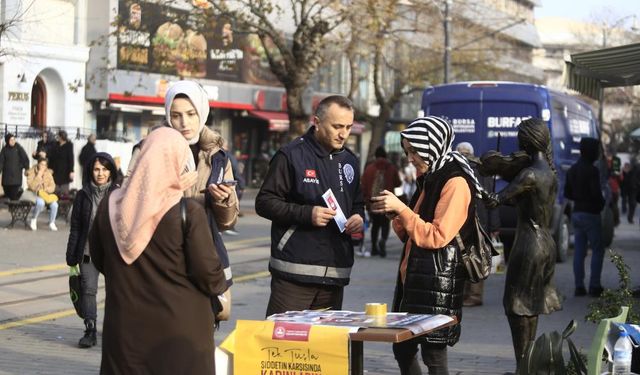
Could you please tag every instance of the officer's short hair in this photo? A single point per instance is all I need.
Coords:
(323, 106)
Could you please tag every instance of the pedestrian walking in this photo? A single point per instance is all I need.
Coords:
(44, 146)
(87, 152)
(40, 179)
(582, 186)
(489, 219)
(431, 275)
(62, 163)
(159, 268)
(529, 284)
(379, 175)
(97, 181)
(630, 182)
(238, 178)
(408, 177)
(311, 257)
(13, 159)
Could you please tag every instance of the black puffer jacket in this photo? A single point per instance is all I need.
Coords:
(435, 279)
(81, 214)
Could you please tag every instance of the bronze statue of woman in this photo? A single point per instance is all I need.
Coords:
(529, 286)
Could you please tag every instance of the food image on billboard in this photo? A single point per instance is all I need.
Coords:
(192, 57)
(165, 46)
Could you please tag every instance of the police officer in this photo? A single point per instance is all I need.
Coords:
(311, 257)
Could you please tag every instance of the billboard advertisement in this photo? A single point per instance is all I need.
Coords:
(188, 42)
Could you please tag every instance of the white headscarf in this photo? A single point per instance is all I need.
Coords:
(198, 97)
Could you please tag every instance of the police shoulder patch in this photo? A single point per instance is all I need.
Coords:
(349, 172)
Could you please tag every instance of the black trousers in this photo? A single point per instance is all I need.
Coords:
(433, 355)
(292, 296)
(379, 223)
(12, 191)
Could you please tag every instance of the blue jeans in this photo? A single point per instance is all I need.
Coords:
(39, 207)
(587, 228)
(89, 281)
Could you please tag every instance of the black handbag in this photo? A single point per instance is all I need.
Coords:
(477, 256)
(75, 289)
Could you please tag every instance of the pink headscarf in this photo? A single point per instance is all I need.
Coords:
(155, 185)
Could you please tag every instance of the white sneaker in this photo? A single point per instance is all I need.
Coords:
(33, 224)
(367, 254)
(53, 227)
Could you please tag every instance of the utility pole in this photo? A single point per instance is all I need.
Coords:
(447, 42)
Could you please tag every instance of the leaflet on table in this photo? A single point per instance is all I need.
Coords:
(332, 202)
(416, 323)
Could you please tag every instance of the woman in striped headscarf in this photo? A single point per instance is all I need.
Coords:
(431, 276)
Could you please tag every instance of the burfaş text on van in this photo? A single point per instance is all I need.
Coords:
(479, 111)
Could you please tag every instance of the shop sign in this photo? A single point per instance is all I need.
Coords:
(18, 96)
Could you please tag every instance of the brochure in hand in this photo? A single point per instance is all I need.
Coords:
(416, 323)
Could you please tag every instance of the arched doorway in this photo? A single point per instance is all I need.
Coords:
(39, 104)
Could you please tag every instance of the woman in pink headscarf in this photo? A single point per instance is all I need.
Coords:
(159, 276)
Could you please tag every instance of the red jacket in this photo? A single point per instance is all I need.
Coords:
(391, 176)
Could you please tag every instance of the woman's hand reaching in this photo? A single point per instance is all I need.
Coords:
(387, 203)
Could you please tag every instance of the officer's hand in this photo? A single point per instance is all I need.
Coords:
(354, 224)
(320, 216)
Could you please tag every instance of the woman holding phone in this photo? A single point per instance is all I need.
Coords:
(187, 107)
(431, 275)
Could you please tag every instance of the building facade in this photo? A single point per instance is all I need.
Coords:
(43, 56)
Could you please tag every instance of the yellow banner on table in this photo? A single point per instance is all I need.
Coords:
(279, 348)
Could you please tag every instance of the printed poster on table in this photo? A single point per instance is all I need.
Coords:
(283, 348)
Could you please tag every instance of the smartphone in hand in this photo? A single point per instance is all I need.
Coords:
(228, 182)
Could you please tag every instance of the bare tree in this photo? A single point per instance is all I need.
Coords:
(403, 44)
(11, 19)
(293, 57)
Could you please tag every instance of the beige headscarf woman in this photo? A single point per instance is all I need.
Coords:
(165, 168)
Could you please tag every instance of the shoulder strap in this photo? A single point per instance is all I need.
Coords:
(183, 215)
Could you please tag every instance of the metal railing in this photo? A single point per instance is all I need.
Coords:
(74, 132)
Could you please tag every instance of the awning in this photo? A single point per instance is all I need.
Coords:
(156, 100)
(279, 121)
(589, 72)
(137, 108)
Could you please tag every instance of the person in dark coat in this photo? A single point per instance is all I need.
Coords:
(13, 160)
(159, 278)
(431, 275)
(379, 175)
(45, 146)
(98, 179)
(529, 285)
(87, 151)
(582, 186)
(62, 162)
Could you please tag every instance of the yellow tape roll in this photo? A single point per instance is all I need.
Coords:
(376, 309)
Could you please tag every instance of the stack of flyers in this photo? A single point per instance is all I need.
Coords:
(332, 202)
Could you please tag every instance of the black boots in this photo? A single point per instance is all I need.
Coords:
(89, 339)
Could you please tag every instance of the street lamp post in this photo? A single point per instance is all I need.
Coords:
(447, 42)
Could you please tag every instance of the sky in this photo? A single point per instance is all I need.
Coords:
(586, 10)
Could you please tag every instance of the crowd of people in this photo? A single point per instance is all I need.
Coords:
(155, 234)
